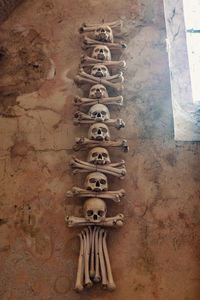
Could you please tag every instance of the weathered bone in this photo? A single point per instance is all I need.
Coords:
(92, 256)
(84, 102)
(87, 61)
(86, 239)
(82, 193)
(85, 143)
(110, 285)
(80, 166)
(102, 261)
(82, 80)
(79, 279)
(117, 25)
(90, 43)
(97, 276)
(116, 221)
(82, 118)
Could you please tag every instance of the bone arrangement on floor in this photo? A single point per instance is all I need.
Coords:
(102, 75)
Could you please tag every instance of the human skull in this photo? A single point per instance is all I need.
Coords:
(99, 113)
(99, 132)
(98, 91)
(100, 70)
(96, 182)
(94, 210)
(101, 52)
(98, 156)
(104, 34)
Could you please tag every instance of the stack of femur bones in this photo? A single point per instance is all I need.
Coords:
(102, 75)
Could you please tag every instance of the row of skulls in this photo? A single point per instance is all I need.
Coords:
(96, 71)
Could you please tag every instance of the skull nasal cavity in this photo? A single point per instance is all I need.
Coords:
(97, 183)
(99, 131)
(98, 115)
(102, 30)
(101, 50)
(99, 69)
(95, 217)
(100, 156)
(97, 90)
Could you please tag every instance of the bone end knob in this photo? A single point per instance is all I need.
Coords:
(111, 287)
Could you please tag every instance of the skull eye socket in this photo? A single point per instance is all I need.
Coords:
(104, 130)
(106, 50)
(103, 113)
(100, 213)
(96, 50)
(94, 113)
(104, 69)
(90, 213)
(93, 90)
(94, 154)
(102, 181)
(94, 69)
(92, 180)
(94, 130)
(104, 155)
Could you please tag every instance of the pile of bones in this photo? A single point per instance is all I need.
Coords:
(102, 76)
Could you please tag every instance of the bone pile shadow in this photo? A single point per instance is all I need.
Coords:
(102, 77)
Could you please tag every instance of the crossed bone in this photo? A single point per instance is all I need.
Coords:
(84, 102)
(87, 61)
(116, 25)
(90, 43)
(94, 262)
(83, 193)
(116, 221)
(85, 143)
(82, 118)
(115, 169)
(84, 77)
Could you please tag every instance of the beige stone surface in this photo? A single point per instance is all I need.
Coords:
(155, 256)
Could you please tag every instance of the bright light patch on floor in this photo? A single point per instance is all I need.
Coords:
(192, 24)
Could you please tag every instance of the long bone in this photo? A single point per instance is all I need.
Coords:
(92, 254)
(82, 193)
(111, 285)
(80, 166)
(85, 143)
(82, 80)
(87, 61)
(90, 43)
(116, 221)
(97, 276)
(82, 118)
(79, 278)
(111, 78)
(102, 261)
(116, 25)
(86, 238)
(84, 102)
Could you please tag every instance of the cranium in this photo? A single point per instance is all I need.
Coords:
(104, 34)
(99, 132)
(101, 52)
(99, 112)
(98, 91)
(100, 70)
(96, 182)
(98, 156)
(94, 210)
